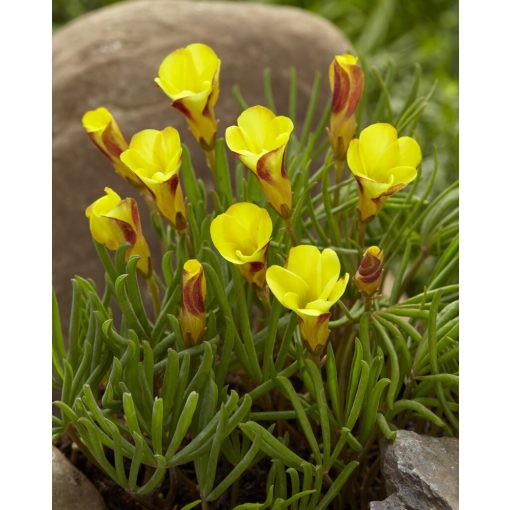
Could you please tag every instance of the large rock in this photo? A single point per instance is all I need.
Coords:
(392, 502)
(423, 471)
(111, 56)
(71, 489)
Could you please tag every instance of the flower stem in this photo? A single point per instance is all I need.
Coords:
(361, 232)
(339, 174)
(189, 244)
(210, 156)
(154, 292)
(316, 358)
(290, 230)
(262, 294)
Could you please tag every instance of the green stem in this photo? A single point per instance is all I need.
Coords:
(290, 230)
(154, 293)
(361, 232)
(339, 174)
(210, 156)
(189, 244)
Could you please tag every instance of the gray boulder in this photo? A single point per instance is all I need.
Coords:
(71, 489)
(111, 56)
(422, 471)
(392, 502)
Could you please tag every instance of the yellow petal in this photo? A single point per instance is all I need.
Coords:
(318, 306)
(410, 152)
(226, 230)
(346, 59)
(403, 174)
(305, 260)
(96, 120)
(281, 281)
(339, 288)
(354, 158)
(290, 300)
(374, 140)
(330, 266)
(373, 189)
(188, 70)
(254, 123)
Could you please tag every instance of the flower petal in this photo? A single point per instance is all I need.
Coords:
(403, 174)
(330, 265)
(374, 140)
(305, 261)
(282, 281)
(354, 158)
(339, 289)
(410, 152)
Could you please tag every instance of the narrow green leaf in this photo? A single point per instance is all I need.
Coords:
(183, 424)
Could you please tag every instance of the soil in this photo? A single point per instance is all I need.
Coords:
(252, 487)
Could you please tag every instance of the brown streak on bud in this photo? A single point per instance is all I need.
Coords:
(341, 87)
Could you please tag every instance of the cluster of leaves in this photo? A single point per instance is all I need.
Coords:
(149, 411)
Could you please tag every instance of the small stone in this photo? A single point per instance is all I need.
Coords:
(71, 488)
(423, 471)
(392, 502)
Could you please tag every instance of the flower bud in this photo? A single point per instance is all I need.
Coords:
(192, 318)
(104, 131)
(346, 80)
(369, 275)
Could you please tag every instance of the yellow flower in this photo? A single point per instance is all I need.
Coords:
(382, 164)
(104, 131)
(259, 140)
(190, 77)
(155, 158)
(114, 221)
(346, 80)
(369, 275)
(310, 285)
(192, 318)
(242, 236)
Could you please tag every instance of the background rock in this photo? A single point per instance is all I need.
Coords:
(392, 502)
(71, 489)
(111, 56)
(423, 471)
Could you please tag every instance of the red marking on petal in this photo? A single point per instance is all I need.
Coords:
(192, 297)
(357, 83)
(91, 136)
(262, 171)
(127, 231)
(179, 106)
(173, 183)
(323, 318)
(255, 267)
(341, 87)
(110, 143)
(136, 216)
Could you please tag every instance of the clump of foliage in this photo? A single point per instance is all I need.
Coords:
(158, 401)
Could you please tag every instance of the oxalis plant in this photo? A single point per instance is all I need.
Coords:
(306, 307)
